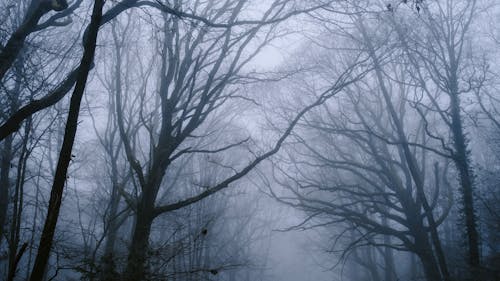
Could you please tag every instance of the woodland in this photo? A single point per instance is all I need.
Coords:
(250, 140)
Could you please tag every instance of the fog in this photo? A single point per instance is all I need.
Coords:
(252, 140)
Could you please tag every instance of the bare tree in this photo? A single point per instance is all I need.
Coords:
(362, 179)
(30, 24)
(439, 49)
(363, 169)
(67, 146)
(186, 99)
(378, 116)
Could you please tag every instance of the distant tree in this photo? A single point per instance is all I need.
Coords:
(364, 162)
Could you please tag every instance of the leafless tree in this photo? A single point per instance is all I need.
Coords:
(366, 166)
(196, 76)
(439, 48)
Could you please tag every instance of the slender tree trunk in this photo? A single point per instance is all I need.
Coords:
(108, 264)
(19, 255)
(389, 270)
(5, 183)
(67, 146)
(108, 271)
(371, 264)
(17, 205)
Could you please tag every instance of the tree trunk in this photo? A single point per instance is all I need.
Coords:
(460, 156)
(411, 161)
(430, 269)
(8, 156)
(462, 162)
(425, 253)
(5, 183)
(17, 206)
(13, 267)
(371, 264)
(67, 146)
(389, 270)
(108, 264)
(139, 247)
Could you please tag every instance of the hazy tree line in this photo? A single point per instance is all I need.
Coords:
(133, 134)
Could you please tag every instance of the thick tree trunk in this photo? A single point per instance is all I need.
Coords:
(426, 255)
(430, 268)
(423, 248)
(466, 177)
(139, 247)
(67, 146)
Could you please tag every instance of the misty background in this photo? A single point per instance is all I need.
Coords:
(254, 140)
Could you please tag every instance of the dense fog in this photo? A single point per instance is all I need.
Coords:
(250, 140)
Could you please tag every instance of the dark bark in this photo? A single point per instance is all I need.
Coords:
(15, 44)
(139, 247)
(14, 122)
(13, 268)
(55, 200)
(425, 253)
(430, 269)
(17, 204)
(8, 154)
(16, 41)
(5, 183)
(413, 267)
(466, 178)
